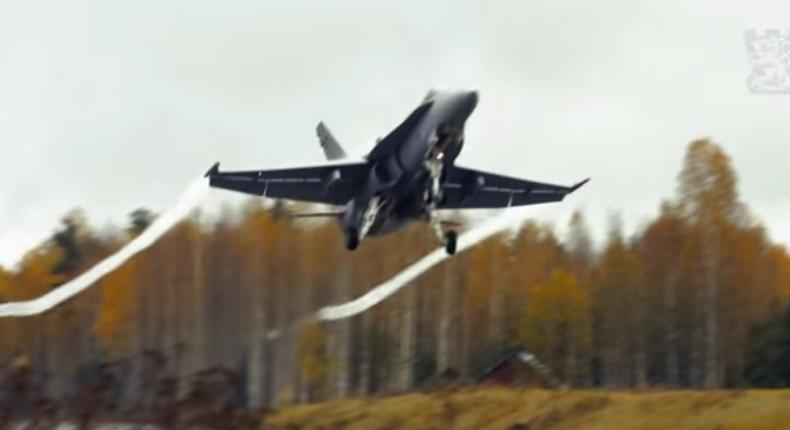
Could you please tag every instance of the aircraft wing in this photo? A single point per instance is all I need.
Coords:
(471, 189)
(332, 184)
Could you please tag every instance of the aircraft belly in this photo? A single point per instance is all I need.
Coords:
(400, 211)
(387, 225)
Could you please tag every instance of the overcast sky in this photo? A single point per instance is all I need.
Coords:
(113, 105)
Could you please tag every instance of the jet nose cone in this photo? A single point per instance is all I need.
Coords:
(472, 97)
(469, 102)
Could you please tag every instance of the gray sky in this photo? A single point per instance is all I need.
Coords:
(113, 105)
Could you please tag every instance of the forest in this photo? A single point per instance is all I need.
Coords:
(697, 297)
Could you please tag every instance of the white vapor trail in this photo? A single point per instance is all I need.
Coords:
(164, 222)
(390, 287)
(191, 198)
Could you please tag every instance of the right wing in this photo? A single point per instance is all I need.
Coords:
(474, 189)
(332, 184)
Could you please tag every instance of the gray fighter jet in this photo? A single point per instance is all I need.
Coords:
(409, 175)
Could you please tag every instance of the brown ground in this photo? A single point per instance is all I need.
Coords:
(496, 408)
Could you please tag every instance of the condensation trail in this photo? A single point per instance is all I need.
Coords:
(190, 198)
(375, 296)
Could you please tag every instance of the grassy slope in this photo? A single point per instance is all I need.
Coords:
(496, 408)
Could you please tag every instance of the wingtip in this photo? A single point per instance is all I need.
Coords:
(213, 170)
(579, 184)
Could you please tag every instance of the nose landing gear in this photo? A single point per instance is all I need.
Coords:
(449, 238)
(450, 242)
(433, 193)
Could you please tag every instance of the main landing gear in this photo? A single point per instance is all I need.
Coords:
(352, 239)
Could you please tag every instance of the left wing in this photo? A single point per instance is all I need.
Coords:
(332, 184)
(470, 189)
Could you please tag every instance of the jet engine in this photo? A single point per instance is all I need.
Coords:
(382, 176)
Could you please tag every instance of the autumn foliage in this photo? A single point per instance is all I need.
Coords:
(686, 301)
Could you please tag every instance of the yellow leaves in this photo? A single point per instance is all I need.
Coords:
(557, 304)
(33, 278)
(35, 275)
(479, 281)
(707, 185)
(557, 322)
(783, 283)
(778, 275)
(313, 355)
(6, 282)
(114, 323)
(536, 253)
(620, 267)
(261, 270)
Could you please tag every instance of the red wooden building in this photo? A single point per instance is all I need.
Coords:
(519, 369)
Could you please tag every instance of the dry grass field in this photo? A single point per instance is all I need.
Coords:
(498, 408)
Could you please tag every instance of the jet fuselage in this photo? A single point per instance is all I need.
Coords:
(404, 181)
(409, 175)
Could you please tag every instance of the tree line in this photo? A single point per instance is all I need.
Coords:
(697, 297)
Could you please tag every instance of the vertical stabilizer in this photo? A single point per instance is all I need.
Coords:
(332, 149)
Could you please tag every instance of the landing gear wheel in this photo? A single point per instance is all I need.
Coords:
(352, 239)
(450, 242)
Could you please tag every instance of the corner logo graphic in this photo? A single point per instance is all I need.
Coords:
(769, 56)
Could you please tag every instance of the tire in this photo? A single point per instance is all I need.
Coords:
(352, 239)
(450, 242)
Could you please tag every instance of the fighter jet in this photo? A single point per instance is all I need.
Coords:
(409, 175)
